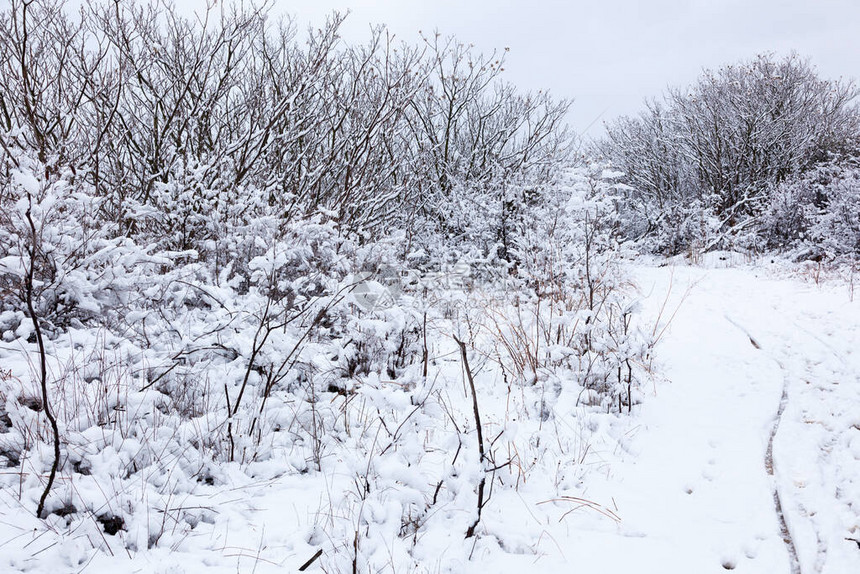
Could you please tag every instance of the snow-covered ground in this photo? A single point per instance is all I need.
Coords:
(694, 483)
(744, 455)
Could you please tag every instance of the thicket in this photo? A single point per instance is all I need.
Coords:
(240, 239)
(757, 155)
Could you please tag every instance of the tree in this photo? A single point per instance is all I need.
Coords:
(735, 133)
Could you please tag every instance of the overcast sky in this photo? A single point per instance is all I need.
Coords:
(608, 55)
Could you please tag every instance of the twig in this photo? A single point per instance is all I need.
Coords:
(313, 559)
(471, 530)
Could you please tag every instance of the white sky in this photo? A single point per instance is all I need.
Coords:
(608, 55)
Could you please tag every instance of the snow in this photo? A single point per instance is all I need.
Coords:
(699, 480)
(683, 484)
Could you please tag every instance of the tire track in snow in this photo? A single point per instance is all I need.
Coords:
(814, 370)
(768, 463)
(785, 532)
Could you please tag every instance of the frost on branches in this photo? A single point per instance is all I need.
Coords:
(254, 260)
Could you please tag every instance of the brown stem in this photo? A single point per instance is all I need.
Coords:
(43, 372)
(426, 354)
(471, 530)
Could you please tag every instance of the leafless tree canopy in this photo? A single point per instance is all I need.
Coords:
(721, 144)
(188, 125)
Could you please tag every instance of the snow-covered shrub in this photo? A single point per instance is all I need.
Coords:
(791, 210)
(82, 273)
(263, 276)
(702, 164)
(837, 228)
(571, 314)
(816, 214)
(677, 228)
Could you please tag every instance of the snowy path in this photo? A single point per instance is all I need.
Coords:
(695, 482)
(698, 490)
(694, 494)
